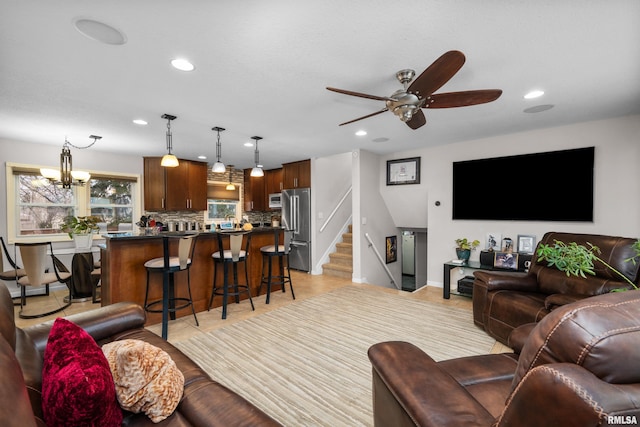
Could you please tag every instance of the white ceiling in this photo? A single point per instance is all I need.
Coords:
(262, 68)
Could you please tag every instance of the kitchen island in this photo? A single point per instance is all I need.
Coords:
(124, 277)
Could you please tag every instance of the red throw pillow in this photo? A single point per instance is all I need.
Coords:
(77, 386)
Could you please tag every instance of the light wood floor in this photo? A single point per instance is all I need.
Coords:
(304, 285)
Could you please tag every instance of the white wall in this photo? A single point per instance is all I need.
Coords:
(331, 181)
(617, 185)
(371, 216)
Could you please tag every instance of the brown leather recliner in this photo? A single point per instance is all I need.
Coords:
(503, 301)
(204, 402)
(578, 368)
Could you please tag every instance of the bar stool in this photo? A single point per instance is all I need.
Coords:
(168, 266)
(231, 257)
(282, 253)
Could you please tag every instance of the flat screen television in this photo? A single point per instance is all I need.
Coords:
(550, 186)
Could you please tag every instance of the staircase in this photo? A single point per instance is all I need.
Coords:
(341, 261)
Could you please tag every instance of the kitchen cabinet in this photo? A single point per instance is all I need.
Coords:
(273, 184)
(175, 189)
(254, 192)
(297, 174)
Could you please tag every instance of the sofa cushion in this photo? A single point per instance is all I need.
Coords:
(146, 378)
(77, 386)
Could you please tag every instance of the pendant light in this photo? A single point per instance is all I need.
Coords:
(169, 160)
(230, 185)
(257, 170)
(218, 166)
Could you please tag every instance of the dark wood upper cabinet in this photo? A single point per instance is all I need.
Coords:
(175, 189)
(297, 174)
(254, 192)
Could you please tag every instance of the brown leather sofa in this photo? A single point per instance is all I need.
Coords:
(502, 301)
(204, 402)
(578, 368)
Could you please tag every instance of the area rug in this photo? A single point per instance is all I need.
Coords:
(306, 364)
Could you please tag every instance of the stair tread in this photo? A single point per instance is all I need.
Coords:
(341, 267)
(341, 255)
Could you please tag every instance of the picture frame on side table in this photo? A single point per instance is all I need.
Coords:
(391, 249)
(493, 242)
(403, 171)
(526, 243)
(506, 260)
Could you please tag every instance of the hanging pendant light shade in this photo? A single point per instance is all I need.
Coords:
(169, 160)
(230, 185)
(257, 170)
(218, 166)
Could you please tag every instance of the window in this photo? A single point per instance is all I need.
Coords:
(111, 200)
(219, 210)
(36, 207)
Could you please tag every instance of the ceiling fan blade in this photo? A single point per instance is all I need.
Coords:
(462, 99)
(361, 95)
(417, 120)
(364, 117)
(438, 73)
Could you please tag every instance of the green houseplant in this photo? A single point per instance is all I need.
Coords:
(577, 260)
(464, 248)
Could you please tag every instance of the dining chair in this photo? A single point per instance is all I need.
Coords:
(34, 257)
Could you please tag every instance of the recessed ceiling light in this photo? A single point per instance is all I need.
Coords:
(202, 157)
(140, 122)
(539, 108)
(534, 94)
(100, 32)
(361, 132)
(182, 64)
(248, 144)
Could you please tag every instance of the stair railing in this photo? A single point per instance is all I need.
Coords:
(384, 265)
(335, 210)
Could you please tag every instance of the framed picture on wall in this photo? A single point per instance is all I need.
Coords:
(391, 250)
(403, 171)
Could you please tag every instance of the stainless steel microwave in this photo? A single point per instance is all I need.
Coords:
(275, 200)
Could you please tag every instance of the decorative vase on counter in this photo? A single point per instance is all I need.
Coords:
(463, 254)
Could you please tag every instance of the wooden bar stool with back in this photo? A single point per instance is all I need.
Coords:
(280, 251)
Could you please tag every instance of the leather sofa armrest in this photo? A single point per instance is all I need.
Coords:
(409, 388)
(570, 393)
(506, 280)
(100, 323)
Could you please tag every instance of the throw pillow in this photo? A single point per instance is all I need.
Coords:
(77, 386)
(147, 379)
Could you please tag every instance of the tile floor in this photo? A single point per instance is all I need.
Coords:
(305, 286)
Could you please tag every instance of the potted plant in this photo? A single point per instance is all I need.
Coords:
(577, 260)
(81, 229)
(464, 248)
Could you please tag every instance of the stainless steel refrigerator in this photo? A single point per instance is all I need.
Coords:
(296, 216)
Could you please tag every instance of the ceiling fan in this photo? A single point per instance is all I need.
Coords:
(407, 103)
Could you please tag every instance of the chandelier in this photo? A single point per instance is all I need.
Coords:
(66, 176)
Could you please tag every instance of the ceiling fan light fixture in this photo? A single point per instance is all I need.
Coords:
(169, 160)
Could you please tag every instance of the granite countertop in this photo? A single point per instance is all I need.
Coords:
(135, 235)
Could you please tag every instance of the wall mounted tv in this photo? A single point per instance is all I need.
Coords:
(551, 186)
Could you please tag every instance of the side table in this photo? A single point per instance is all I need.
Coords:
(82, 282)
